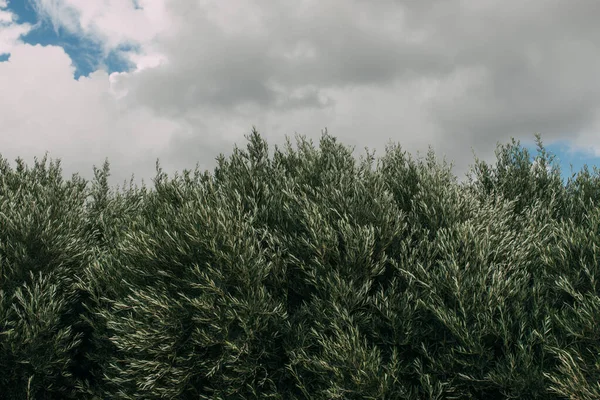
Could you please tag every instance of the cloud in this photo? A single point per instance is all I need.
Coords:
(10, 32)
(112, 23)
(78, 121)
(453, 74)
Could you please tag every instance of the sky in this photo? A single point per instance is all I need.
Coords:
(185, 80)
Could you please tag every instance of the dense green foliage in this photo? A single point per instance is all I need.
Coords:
(304, 276)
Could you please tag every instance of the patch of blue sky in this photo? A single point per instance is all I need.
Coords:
(85, 53)
(564, 158)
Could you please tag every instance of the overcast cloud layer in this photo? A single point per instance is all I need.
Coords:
(197, 75)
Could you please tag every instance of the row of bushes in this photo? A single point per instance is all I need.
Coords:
(305, 276)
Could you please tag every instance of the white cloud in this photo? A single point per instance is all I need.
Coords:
(80, 122)
(111, 22)
(5, 16)
(58, 13)
(453, 74)
(10, 32)
(10, 35)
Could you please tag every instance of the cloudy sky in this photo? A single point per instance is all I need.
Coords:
(185, 80)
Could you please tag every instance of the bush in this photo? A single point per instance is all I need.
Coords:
(302, 276)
